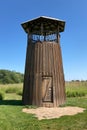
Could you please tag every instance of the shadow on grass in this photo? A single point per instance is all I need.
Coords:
(11, 102)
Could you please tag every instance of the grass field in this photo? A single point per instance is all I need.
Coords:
(12, 117)
(76, 89)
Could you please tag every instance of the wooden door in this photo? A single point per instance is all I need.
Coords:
(47, 89)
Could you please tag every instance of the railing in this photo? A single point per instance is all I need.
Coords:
(51, 37)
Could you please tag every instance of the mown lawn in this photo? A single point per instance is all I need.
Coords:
(12, 117)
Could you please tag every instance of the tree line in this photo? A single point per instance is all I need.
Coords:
(7, 77)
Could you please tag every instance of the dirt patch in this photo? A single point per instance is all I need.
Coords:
(49, 113)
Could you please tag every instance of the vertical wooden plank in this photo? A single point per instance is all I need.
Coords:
(48, 58)
(37, 62)
(51, 59)
(43, 51)
(32, 73)
(40, 57)
(40, 90)
(60, 87)
(48, 50)
(36, 79)
(56, 73)
(61, 75)
(54, 76)
(26, 77)
(35, 70)
(46, 62)
(58, 77)
(38, 73)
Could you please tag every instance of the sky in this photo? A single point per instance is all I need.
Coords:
(13, 39)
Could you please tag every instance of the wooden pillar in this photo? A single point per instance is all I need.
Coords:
(57, 34)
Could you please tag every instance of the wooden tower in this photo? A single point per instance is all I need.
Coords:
(44, 83)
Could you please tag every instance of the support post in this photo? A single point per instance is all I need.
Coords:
(57, 34)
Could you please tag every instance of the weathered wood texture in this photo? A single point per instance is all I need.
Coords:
(44, 83)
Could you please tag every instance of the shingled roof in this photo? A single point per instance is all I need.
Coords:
(49, 24)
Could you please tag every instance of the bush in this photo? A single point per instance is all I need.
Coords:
(2, 95)
(11, 90)
(75, 94)
(19, 93)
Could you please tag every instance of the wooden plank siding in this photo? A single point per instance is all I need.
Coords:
(43, 59)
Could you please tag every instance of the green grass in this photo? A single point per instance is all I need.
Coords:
(76, 89)
(12, 88)
(1, 95)
(12, 117)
